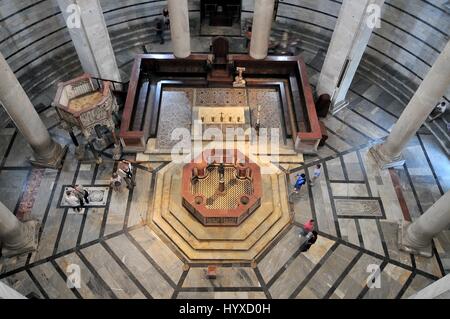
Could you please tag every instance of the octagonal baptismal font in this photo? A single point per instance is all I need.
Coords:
(218, 193)
(222, 206)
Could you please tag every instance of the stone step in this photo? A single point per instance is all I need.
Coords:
(240, 232)
(167, 218)
(228, 255)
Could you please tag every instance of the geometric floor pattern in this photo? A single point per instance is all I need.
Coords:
(120, 258)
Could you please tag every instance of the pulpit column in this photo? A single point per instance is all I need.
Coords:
(16, 237)
(47, 152)
(262, 25)
(416, 238)
(179, 28)
(356, 21)
(433, 87)
(87, 28)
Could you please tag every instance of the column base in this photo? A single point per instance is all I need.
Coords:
(55, 161)
(406, 246)
(32, 240)
(383, 161)
(339, 106)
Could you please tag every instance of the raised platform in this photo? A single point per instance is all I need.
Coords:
(213, 243)
(149, 78)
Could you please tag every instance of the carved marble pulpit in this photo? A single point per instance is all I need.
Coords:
(81, 105)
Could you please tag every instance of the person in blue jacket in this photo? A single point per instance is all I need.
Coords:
(301, 180)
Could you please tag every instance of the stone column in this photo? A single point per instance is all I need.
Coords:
(262, 25)
(87, 28)
(17, 237)
(438, 290)
(415, 238)
(7, 292)
(47, 153)
(433, 87)
(179, 28)
(355, 24)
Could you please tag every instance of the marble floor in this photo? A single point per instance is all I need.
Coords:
(356, 206)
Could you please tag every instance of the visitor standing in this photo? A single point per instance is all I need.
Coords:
(166, 18)
(160, 31)
(126, 171)
(316, 174)
(73, 201)
(248, 36)
(116, 182)
(309, 226)
(82, 193)
(311, 240)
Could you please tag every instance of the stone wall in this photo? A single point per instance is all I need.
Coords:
(36, 43)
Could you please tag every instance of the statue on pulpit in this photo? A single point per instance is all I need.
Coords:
(239, 79)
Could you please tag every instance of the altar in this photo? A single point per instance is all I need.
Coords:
(216, 118)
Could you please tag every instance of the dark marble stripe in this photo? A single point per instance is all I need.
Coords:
(97, 276)
(21, 10)
(363, 170)
(343, 275)
(406, 285)
(358, 230)
(313, 271)
(64, 277)
(37, 284)
(59, 255)
(8, 150)
(366, 288)
(151, 260)
(383, 240)
(378, 256)
(66, 210)
(127, 271)
(180, 284)
(262, 283)
(430, 164)
(311, 198)
(344, 169)
(413, 188)
(330, 195)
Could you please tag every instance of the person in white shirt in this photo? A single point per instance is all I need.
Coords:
(316, 174)
(73, 201)
(126, 171)
(82, 194)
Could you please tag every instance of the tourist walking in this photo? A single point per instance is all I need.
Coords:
(307, 228)
(311, 240)
(116, 182)
(316, 174)
(73, 201)
(126, 172)
(301, 180)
